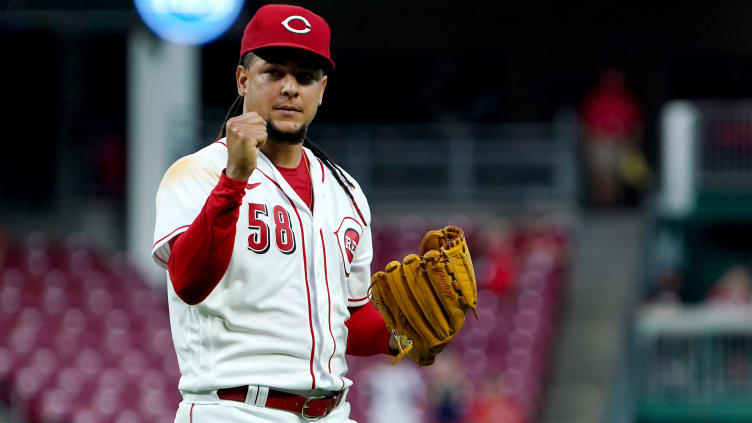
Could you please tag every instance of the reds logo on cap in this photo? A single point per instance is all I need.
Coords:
(286, 24)
(281, 25)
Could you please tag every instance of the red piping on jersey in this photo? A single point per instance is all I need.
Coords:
(176, 229)
(192, 412)
(322, 169)
(220, 142)
(358, 299)
(328, 298)
(357, 209)
(305, 272)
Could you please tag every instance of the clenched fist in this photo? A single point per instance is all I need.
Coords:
(246, 134)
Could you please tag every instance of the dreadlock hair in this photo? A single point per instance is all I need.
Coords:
(236, 109)
(337, 171)
(237, 106)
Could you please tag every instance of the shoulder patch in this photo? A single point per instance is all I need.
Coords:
(348, 236)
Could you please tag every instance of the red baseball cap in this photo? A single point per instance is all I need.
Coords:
(283, 25)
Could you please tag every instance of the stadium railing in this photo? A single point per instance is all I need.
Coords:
(689, 361)
(486, 165)
(695, 364)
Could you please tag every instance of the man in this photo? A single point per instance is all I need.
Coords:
(268, 245)
(612, 124)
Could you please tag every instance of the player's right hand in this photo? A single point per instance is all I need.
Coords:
(246, 134)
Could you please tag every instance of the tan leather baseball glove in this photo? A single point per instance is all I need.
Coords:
(424, 299)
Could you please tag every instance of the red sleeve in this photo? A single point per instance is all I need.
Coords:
(199, 256)
(367, 333)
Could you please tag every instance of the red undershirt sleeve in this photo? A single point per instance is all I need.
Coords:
(199, 256)
(367, 333)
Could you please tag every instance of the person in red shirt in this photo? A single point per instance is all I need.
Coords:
(612, 125)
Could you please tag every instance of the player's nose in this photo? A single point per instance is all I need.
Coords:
(290, 86)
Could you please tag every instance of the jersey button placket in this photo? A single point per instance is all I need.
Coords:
(318, 256)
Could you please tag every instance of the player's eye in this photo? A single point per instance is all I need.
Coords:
(274, 72)
(305, 77)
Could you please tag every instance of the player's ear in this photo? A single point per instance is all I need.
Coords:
(323, 87)
(241, 77)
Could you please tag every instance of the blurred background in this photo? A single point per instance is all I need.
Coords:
(598, 157)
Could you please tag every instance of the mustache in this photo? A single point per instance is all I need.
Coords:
(295, 137)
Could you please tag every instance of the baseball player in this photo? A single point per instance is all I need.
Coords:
(267, 244)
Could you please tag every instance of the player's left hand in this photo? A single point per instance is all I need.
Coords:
(425, 298)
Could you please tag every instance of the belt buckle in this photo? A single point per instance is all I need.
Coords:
(305, 407)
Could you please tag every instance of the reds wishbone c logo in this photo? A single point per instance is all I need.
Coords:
(286, 24)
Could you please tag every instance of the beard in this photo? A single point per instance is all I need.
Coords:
(295, 137)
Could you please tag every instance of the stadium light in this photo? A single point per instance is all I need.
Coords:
(190, 22)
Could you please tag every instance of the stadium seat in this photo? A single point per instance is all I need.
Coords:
(88, 341)
(511, 339)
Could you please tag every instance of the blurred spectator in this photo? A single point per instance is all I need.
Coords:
(499, 269)
(491, 405)
(612, 125)
(541, 243)
(734, 287)
(667, 289)
(395, 393)
(448, 389)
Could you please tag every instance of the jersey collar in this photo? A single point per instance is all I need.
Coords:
(267, 168)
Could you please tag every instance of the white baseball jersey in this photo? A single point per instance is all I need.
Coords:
(277, 317)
